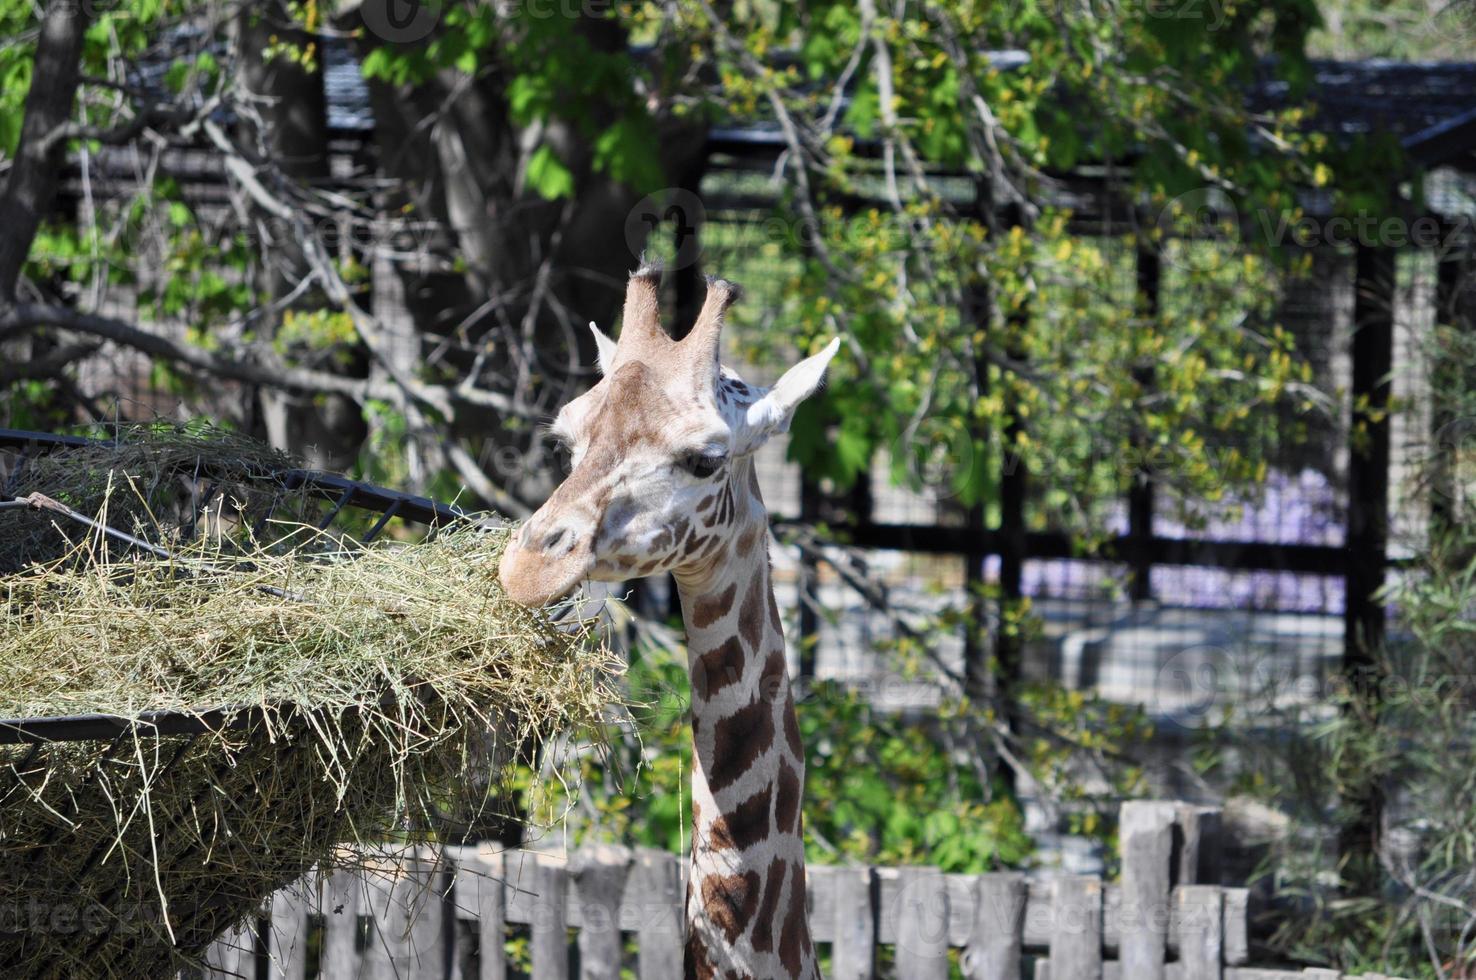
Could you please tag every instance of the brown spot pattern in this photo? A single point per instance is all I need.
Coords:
(716, 669)
(791, 728)
(751, 616)
(729, 901)
(794, 939)
(696, 961)
(763, 929)
(737, 742)
(747, 825)
(709, 609)
(787, 800)
(773, 677)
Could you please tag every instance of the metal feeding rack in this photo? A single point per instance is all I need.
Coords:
(18, 448)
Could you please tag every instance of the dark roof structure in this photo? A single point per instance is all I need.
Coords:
(1430, 107)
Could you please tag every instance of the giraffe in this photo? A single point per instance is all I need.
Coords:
(663, 479)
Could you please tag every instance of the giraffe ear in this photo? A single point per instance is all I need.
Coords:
(605, 346)
(772, 412)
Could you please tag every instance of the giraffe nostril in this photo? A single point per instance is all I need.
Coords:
(554, 538)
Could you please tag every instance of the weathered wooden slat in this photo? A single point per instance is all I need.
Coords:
(1146, 835)
(287, 936)
(1236, 930)
(233, 955)
(599, 875)
(405, 901)
(1201, 931)
(1320, 973)
(482, 880)
(656, 902)
(921, 914)
(851, 920)
(382, 949)
(995, 945)
(1039, 917)
(1076, 943)
(339, 956)
(550, 920)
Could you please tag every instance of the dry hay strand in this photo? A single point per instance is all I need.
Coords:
(374, 693)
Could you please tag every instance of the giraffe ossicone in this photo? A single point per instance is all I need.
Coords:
(663, 481)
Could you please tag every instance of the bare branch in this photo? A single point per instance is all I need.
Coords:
(29, 316)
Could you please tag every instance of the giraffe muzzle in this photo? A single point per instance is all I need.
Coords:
(532, 575)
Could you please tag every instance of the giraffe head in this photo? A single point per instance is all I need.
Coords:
(654, 448)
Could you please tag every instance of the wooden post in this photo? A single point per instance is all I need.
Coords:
(407, 938)
(922, 925)
(288, 933)
(1076, 928)
(1200, 914)
(994, 947)
(656, 896)
(233, 955)
(853, 950)
(1236, 928)
(1368, 522)
(600, 873)
(339, 955)
(491, 904)
(550, 920)
(1146, 832)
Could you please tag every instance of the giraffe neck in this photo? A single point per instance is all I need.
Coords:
(746, 912)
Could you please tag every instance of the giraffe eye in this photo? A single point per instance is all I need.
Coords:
(703, 465)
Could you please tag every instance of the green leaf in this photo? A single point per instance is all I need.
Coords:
(548, 176)
(627, 152)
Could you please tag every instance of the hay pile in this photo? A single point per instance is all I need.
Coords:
(371, 691)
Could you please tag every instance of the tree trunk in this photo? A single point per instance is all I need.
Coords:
(36, 170)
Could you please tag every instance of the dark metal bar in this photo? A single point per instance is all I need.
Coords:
(809, 584)
(422, 510)
(202, 505)
(1014, 487)
(384, 519)
(343, 499)
(978, 310)
(1233, 555)
(290, 482)
(1367, 537)
(1368, 467)
(95, 727)
(1140, 492)
(39, 501)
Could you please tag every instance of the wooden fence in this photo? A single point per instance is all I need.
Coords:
(414, 915)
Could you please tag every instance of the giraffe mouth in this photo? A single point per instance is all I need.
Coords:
(532, 578)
